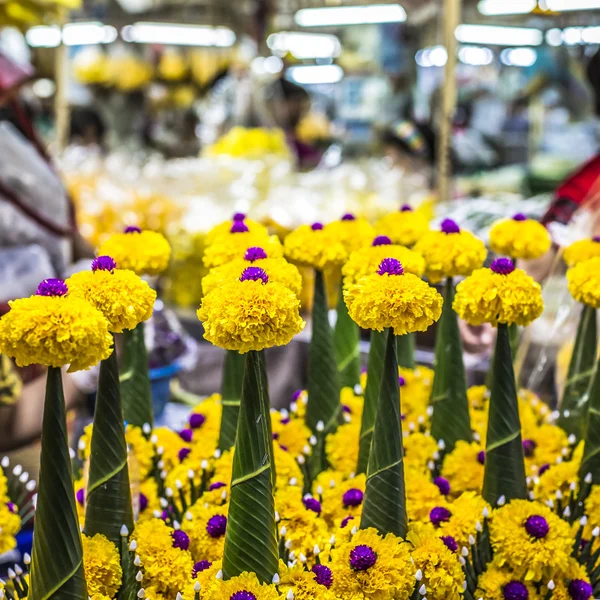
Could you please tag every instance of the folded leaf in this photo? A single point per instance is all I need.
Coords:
(405, 350)
(451, 421)
(346, 336)
(579, 376)
(590, 462)
(504, 461)
(231, 393)
(374, 373)
(129, 584)
(251, 537)
(323, 378)
(57, 561)
(385, 498)
(135, 382)
(108, 496)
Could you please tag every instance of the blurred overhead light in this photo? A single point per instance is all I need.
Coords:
(499, 36)
(518, 57)
(436, 56)
(304, 45)
(44, 88)
(554, 37)
(564, 5)
(350, 15)
(315, 74)
(73, 34)
(475, 56)
(506, 7)
(178, 35)
(43, 37)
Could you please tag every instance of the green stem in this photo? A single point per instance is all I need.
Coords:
(346, 336)
(405, 349)
(590, 462)
(231, 392)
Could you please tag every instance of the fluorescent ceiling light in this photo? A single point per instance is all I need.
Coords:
(518, 57)
(564, 5)
(178, 35)
(475, 56)
(554, 37)
(73, 34)
(43, 37)
(304, 45)
(350, 15)
(315, 74)
(499, 36)
(506, 7)
(436, 56)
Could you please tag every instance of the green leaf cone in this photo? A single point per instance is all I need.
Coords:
(135, 381)
(57, 561)
(251, 537)
(374, 373)
(580, 373)
(405, 350)
(504, 461)
(323, 378)
(108, 495)
(346, 336)
(385, 498)
(591, 452)
(231, 393)
(451, 421)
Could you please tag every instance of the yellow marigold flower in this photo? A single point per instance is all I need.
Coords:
(393, 298)
(592, 506)
(554, 478)
(419, 449)
(415, 392)
(531, 540)
(465, 512)
(252, 313)
(365, 261)
(148, 499)
(542, 445)
(352, 404)
(204, 573)
(292, 433)
(498, 583)
(55, 329)
(344, 499)
(102, 565)
(342, 447)
(120, 295)
(575, 583)
(305, 584)
(326, 479)
(3, 487)
(10, 524)
(246, 582)
(277, 269)
(442, 574)
(405, 227)
(450, 252)
(224, 229)
(584, 282)
(168, 443)
(520, 237)
(372, 567)
(581, 251)
(144, 252)
(286, 467)
(501, 294)
(422, 495)
(314, 246)
(206, 530)
(463, 468)
(353, 233)
(142, 448)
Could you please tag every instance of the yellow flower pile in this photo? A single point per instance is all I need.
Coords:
(392, 298)
(405, 227)
(102, 566)
(352, 232)
(233, 245)
(584, 282)
(314, 246)
(581, 251)
(450, 252)
(224, 229)
(501, 294)
(251, 144)
(520, 237)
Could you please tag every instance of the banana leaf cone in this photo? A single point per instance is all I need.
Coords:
(405, 350)
(574, 401)
(374, 373)
(385, 498)
(231, 393)
(108, 496)
(251, 537)
(346, 335)
(324, 409)
(57, 562)
(450, 421)
(590, 462)
(135, 381)
(504, 460)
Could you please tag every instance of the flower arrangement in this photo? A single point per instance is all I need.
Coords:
(354, 496)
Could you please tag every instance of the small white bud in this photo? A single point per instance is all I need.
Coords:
(462, 561)
(583, 521)
(293, 481)
(283, 531)
(217, 453)
(290, 595)
(292, 555)
(567, 414)
(146, 429)
(189, 516)
(139, 576)
(422, 590)
(160, 464)
(179, 596)
(320, 426)
(551, 585)
(197, 586)
(572, 439)
(132, 546)
(312, 440)
(319, 490)
(26, 559)
(154, 438)
(80, 447)
(332, 483)
(358, 391)
(160, 451)
(31, 485)
(354, 530)
(288, 544)
(436, 455)
(5, 462)
(559, 495)
(588, 478)
(316, 550)
(567, 512)
(332, 540)
(276, 579)
(301, 460)
(302, 558)
(18, 570)
(137, 561)
(429, 411)
(163, 503)
(220, 574)
(284, 413)
(169, 492)
(72, 453)
(124, 531)
(157, 514)
(277, 517)
(596, 532)
(419, 575)
(478, 526)
(306, 449)
(204, 465)
(294, 407)
(141, 593)
(191, 474)
(163, 474)
(471, 540)
(11, 573)
(441, 444)
(176, 525)
(485, 512)
(464, 551)
(421, 419)
(502, 501)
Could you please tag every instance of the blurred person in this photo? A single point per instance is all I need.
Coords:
(87, 127)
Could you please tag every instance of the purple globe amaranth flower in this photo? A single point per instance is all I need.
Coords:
(401, 381)
(275, 436)
(439, 515)
(180, 539)
(164, 515)
(543, 469)
(382, 240)
(132, 229)
(537, 527)
(443, 485)
(216, 526)
(313, 505)
(391, 266)
(348, 217)
(580, 590)
(481, 457)
(296, 395)
(243, 595)
(285, 421)
(104, 263)
(12, 507)
(353, 497)
(200, 566)
(450, 543)
(346, 409)
(406, 208)
(596, 239)
(52, 287)
(143, 502)
(515, 590)
(197, 420)
(255, 253)
(323, 575)
(449, 226)
(503, 266)
(316, 226)
(345, 521)
(80, 496)
(519, 217)
(254, 274)
(183, 454)
(362, 557)
(217, 485)
(186, 435)
(529, 447)
(239, 227)
(284, 448)
(239, 216)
